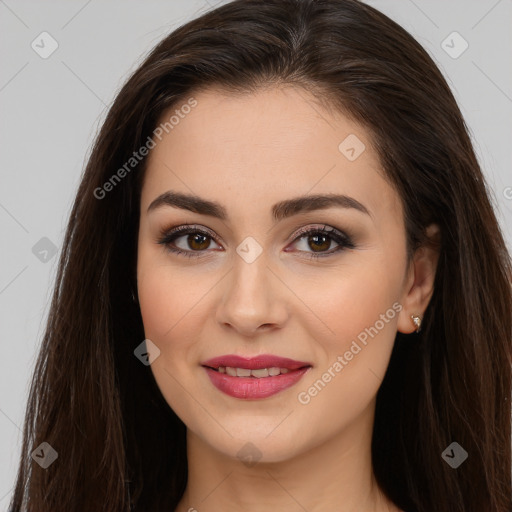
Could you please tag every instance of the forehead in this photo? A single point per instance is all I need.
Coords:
(247, 150)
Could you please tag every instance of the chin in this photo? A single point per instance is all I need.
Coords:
(255, 447)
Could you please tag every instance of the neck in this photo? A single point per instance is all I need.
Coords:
(334, 475)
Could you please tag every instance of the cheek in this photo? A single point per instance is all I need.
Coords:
(368, 302)
(159, 306)
(167, 293)
(174, 308)
(342, 302)
(358, 312)
(170, 302)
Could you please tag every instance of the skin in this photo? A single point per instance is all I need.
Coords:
(248, 153)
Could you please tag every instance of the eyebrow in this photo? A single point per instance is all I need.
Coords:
(280, 210)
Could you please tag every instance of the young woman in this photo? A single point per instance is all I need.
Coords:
(282, 286)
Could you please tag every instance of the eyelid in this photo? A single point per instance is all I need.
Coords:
(322, 228)
(186, 229)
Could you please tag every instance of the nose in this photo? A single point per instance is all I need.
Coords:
(254, 299)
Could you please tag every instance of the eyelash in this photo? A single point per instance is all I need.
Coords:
(167, 237)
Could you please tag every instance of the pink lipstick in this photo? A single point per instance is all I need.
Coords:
(253, 378)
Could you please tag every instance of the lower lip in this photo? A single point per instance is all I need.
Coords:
(251, 387)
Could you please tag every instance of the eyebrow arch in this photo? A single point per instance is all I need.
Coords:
(280, 210)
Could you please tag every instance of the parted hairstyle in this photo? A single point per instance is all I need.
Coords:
(120, 446)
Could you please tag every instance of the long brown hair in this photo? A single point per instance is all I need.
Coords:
(120, 446)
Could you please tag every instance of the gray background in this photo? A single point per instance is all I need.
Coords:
(51, 109)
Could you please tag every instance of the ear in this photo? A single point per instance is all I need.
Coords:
(419, 281)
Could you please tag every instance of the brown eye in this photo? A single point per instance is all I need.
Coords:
(187, 241)
(316, 242)
(198, 241)
(319, 242)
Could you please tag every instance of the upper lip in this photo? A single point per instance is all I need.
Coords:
(254, 363)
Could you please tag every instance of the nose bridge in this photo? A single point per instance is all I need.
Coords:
(249, 275)
(251, 298)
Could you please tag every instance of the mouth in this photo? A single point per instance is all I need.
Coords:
(259, 373)
(254, 378)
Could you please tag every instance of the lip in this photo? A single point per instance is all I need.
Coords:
(255, 363)
(252, 388)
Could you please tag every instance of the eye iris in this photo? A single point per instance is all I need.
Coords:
(192, 238)
(325, 239)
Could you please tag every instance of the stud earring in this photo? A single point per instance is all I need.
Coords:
(417, 322)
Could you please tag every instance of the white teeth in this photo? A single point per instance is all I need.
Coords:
(259, 373)
(245, 372)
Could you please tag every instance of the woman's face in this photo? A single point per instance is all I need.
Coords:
(248, 283)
